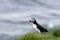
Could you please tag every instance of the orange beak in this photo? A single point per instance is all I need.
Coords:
(29, 20)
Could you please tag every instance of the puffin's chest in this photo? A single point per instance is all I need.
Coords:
(35, 27)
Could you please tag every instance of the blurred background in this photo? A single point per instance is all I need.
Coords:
(15, 13)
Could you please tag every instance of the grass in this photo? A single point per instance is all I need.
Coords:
(56, 32)
(42, 36)
(37, 36)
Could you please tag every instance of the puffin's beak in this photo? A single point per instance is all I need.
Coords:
(29, 20)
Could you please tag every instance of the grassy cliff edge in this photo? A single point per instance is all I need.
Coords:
(37, 36)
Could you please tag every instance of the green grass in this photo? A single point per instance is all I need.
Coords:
(56, 32)
(37, 36)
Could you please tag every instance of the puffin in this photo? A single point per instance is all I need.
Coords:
(37, 26)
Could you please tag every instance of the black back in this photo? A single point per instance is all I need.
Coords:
(39, 26)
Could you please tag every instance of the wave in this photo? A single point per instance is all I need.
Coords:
(9, 6)
(17, 18)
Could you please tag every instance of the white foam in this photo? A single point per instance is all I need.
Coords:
(17, 12)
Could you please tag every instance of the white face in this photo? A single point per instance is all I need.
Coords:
(31, 20)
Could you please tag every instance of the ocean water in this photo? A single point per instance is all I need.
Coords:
(15, 13)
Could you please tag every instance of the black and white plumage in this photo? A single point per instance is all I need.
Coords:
(38, 27)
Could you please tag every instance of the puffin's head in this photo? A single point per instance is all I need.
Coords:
(32, 20)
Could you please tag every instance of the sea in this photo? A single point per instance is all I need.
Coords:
(14, 16)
